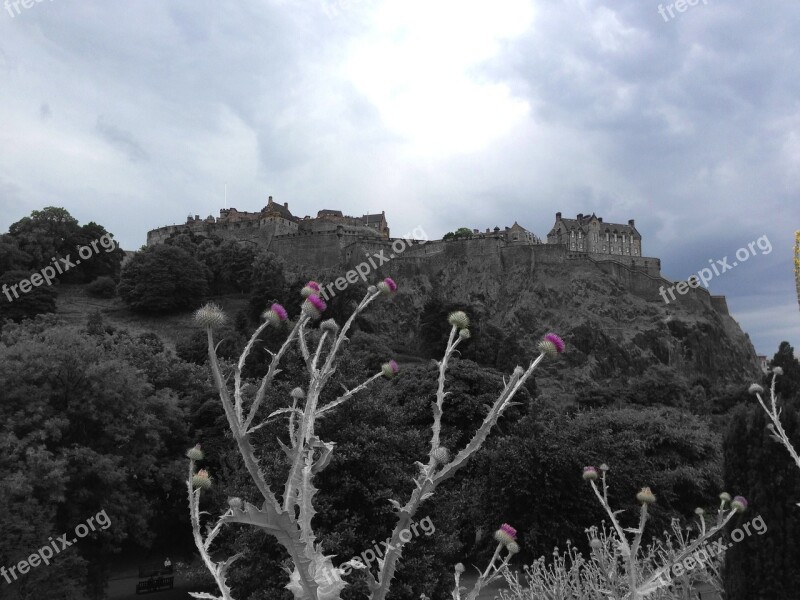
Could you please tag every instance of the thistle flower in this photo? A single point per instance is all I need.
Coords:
(777, 370)
(297, 393)
(195, 453)
(458, 319)
(314, 306)
(552, 345)
(210, 316)
(645, 496)
(311, 288)
(441, 455)
(201, 480)
(330, 326)
(755, 389)
(739, 504)
(235, 503)
(389, 369)
(506, 534)
(464, 334)
(387, 286)
(512, 547)
(589, 473)
(459, 568)
(276, 314)
(725, 497)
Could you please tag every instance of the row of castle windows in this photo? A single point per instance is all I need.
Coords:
(635, 251)
(594, 236)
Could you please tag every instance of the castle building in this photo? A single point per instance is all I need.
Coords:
(588, 233)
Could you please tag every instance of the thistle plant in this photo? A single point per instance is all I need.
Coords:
(773, 411)
(289, 519)
(506, 538)
(619, 567)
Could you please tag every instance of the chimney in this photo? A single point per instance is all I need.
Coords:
(286, 205)
(580, 216)
(487, 230)
(197, 217)
(558, 216)
(600, 219)
(630, 222)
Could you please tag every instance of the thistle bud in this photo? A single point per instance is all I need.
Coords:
(298, 393)
(645, 496)
(589, 473)
(210, 316)
(512, 547)
(725, 497)
(755, 389)
(464, 334)
(552, 345)
(372, 289)
(518, 371)
(595, 543)
(310, 289)
(441, 455)
(699, 511)
(389, 369)
(387, 286)
(276, 314)
(330, 326)
(459, 568)
(195, 453)
(739, 504)
(235, 503)
(604, 468)
(506, 534)
(314, 306)
(458, 319)
(777, 370)
(201, 480)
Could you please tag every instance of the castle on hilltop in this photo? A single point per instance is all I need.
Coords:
(333, 240)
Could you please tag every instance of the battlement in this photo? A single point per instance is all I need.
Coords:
(332, 240)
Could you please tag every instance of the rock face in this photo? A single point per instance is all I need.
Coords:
(612, 317)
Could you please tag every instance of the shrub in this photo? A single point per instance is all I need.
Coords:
(102, 287)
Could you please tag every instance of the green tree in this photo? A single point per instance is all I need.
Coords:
(163, 279)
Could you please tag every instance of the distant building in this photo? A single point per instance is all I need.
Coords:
(588, 233)
(763, 363)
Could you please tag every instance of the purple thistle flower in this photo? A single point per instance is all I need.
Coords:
(589, 473)
(739, 504)
(557, 341)
(314, 306)
(390, 369)
(509, 530)
(280, 311)
(390, 284)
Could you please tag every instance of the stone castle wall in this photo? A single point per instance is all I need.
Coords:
(332, 246)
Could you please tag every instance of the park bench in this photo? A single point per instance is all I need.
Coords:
(154, 585)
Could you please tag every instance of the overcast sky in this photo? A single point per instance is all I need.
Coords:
(443, 113)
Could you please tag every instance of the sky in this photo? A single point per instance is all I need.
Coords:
(442, 113)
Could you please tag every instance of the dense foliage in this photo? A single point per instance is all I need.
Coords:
(90, 422)
(763, 567)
